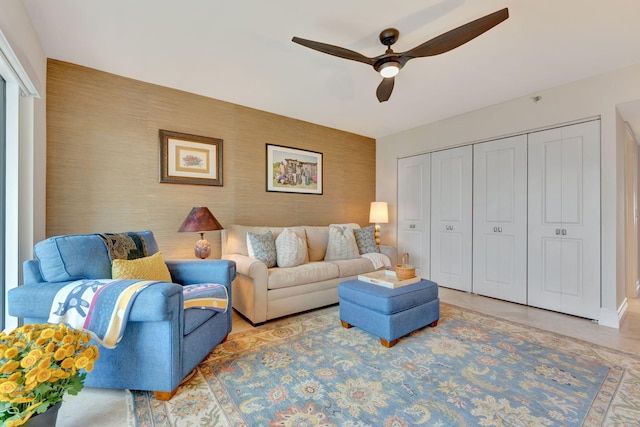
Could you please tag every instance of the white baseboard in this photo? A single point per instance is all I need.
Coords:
(637, 294)
(611, 318)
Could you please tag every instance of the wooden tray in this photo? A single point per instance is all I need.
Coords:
(387, 278)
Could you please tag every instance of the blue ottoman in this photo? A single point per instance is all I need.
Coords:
(389, 313)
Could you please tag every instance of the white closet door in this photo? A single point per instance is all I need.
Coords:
(414, 196)
(451, 217)
(564, 219)
(500, 219)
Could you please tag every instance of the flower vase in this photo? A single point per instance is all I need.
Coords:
(46, 419)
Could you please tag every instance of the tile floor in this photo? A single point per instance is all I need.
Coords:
(108, 408)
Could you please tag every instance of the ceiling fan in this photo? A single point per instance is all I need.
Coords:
(389, 63)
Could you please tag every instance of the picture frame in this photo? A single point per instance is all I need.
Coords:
(291, 170)
(190, 159)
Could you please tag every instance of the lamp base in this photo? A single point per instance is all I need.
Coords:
(202, 249)
(376, 234)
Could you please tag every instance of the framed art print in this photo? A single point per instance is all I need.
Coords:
(190, 159)
(291, 170)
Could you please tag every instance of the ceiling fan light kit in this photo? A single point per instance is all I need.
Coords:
(389, 69)
(389, 63)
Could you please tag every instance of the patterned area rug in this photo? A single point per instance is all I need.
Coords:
(472, 369)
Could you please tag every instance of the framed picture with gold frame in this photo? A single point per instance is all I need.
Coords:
(190, 159)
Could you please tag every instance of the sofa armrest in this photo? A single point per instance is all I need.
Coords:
(189, 272)
(248, 266)
(250, 287)
(389, 251)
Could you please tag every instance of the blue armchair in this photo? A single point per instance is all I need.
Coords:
(162, 342)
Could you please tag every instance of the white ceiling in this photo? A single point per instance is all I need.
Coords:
(241, 51)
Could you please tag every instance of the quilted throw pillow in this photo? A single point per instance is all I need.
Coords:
(365, 239)
(147, 268)
(262, 247)
(291, 248)
(342, 244)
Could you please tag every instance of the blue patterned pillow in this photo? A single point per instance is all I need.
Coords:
(365, 239)
(262, 247)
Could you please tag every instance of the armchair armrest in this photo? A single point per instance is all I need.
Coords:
(31, 271)
(156, 303)
(189, 272)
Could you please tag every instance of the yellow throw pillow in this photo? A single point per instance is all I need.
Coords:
(148, 268)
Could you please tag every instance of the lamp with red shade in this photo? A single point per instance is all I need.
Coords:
(200, 219)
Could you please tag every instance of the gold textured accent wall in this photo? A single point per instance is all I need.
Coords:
(103, 157)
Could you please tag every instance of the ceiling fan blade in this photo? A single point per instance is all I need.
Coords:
(384, 89)
(456, 37)
(333, 50)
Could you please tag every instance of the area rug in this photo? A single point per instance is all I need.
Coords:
(470, 370)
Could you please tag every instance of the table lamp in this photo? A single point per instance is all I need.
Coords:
(378, 214)
(200, 219)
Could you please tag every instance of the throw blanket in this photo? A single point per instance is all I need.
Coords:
(99, 306)
(378, 260)
(210, 296)
(102, 306)
(128, 245)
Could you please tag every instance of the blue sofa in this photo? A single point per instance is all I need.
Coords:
(162, 342)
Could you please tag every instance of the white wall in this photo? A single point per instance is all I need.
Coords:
(16, 27)
(593, 97)
(26, 212)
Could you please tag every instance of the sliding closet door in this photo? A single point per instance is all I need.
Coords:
(451, 217)
(414, 196)
(500, 219)
(564, 219)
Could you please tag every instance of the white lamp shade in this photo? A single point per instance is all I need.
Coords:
(379, 213)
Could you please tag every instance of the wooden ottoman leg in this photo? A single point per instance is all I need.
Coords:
(164, 395)
(434, 324)
(388, 344)
(345, 324)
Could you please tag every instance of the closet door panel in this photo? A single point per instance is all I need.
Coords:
(551, 257)
(564, 237)
(414, 198)
(572, 190)
(413, 243)
(499, 219)
(552, 177)
(572, 268)
(451, 218)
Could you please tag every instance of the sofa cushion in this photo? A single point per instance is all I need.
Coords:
(291, 247)
(262, 247)
(302, 274)
(147, 268)
(365, 239)
(79, 256)
(317, 239)
(353, 267)
(194, 317)
(342, 243)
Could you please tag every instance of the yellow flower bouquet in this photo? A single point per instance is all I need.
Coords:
(39, 363)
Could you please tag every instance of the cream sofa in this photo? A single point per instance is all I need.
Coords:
(261, 293)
